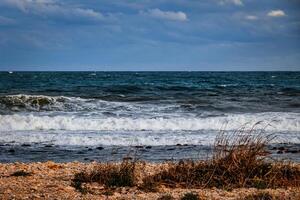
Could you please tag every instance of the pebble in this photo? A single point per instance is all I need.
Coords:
(11, 151)
(170, 149)
(292, 151)
(281, 148)
(127, 158)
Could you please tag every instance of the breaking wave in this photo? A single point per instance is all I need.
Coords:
(277, 122)
(34, 102)
(38, 103)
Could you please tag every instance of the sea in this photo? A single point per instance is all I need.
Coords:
(151, 116)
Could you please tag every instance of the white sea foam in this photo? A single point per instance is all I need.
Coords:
(277, 121)
(79, 121)
(106, 138)
(125, 138)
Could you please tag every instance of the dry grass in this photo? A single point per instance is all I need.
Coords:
(109, 175)
(239, 160)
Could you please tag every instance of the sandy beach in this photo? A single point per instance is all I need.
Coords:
(50, 180)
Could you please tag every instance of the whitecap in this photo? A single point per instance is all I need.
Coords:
(278, 122)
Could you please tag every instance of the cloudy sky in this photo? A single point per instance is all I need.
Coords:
(149, 35)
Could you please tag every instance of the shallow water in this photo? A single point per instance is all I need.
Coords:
(40, 153)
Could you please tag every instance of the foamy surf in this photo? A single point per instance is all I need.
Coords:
(126, 138)
(269, 121)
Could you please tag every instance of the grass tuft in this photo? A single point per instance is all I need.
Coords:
(80, 178)
(239, 160)
(109, 175)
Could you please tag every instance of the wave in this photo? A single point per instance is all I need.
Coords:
(142, 105)
(277, 122)
(22, 102)
(10, 104)
(33, 102)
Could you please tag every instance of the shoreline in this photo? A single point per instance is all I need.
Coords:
(157, 154)
(50, 180)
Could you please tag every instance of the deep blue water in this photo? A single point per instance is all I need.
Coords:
(79, 109)
(190, 91)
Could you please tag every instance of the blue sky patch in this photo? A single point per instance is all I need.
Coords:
(149, 35)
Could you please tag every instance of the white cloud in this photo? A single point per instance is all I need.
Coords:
(166, 15)
(276, 13)
(235, 2)
(52, 8)
(251, 17)
(20, 4)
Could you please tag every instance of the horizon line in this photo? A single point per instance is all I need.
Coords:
(149, 71)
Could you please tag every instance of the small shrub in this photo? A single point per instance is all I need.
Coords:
(77, 182)
(166, 197)
(114, 175)
(190, 196)
(21, 173)
(109, 175)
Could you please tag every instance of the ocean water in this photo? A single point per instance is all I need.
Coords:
(65, 115)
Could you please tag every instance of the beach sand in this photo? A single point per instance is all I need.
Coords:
(51, 180)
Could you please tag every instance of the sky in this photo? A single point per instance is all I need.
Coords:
(150, 35)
